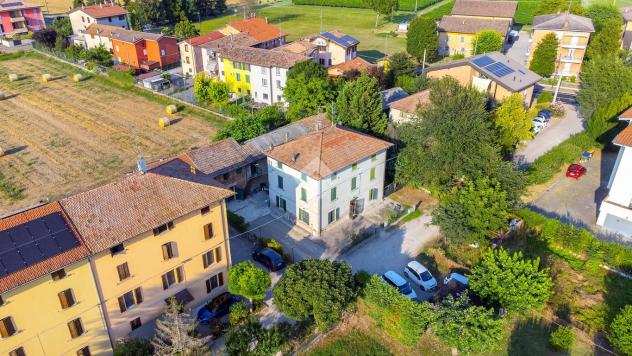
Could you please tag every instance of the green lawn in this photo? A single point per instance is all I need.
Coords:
(354, 343)
(301, 20)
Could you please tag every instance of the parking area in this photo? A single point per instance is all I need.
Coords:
(519, 49)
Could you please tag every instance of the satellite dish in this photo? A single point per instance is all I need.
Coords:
(141, 165)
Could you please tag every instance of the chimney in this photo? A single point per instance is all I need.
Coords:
(101, 5)
(295, 157)
(141, 165)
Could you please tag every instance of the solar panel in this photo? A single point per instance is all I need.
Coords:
(30, 254)
(37, 228)
(5, 241)
(499, 69)
(483, 61)
(12, 261)
(20, 234)
(65, 239)
(48, 248)
(55, 222)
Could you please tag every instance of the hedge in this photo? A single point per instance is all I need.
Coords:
(564, 239)
(404, 5)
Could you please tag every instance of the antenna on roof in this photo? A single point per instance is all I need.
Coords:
(141, 165)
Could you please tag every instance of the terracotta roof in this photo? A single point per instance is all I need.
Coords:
(258, 28)
(326, 151)
(122, 34)
(9, 5)
(357, 63)
(240, 39)
(137, 203)
(303, 47)
(626, 115)
(564, 21)
(464, 24)
(627, 13)
(102, 10)
(220, 157)
(624, 138)
(261, 57)
(200, 40)
(57, 261)
(411, 103)
(505, 9)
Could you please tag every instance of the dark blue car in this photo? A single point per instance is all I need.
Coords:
(217, 308)
(271, 259)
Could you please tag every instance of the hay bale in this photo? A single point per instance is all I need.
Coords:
(171, 109)
(46, 77)
(77, 77)
(2, 95)
(13, 77)
(165, 121)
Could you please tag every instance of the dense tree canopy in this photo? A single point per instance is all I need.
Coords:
(62, 26)
(621, 331)
(513, 121)
(210, 91)
(556, 6)
(359, 105)
(606, 41)
(511, 281)
(544, 55)
(308, 90)
(247, 125)
(488, 41)
(423, 36)
(321, 289)
(248, 280)
(382, 7)
(600, 13)
(168, 12)
(185, 29)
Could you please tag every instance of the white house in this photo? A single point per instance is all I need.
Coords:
(615, 212)
(326, 176)
(104, 14)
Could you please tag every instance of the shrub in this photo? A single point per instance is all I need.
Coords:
(237, 222)
(240, 338)
(239, 312)
(411, 83)
(545, 97)
(133, 347)
(488, 41)
(248, 280)
(272, 244)
(543, 61)
(562, 338)
(621, 331)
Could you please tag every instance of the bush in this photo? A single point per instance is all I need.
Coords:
(133, 347)
(411, 83)
(621, 331)
(545, 97)
(562, 338)
(240, 338)
(239, 312)
(401, 318)
(237, 222)
(272, 244)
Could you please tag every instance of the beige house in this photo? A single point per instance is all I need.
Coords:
(626, 42)
(191, 52)
(335, 47)
(404, 110)
(468, 17)
(572, 32)
(492, 73)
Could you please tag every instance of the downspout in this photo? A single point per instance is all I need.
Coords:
(104, 311)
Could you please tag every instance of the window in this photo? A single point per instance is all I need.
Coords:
(264, 82)
(238, 76)
(278, 83)
(225, 176)
(279, 165)
(130, 299)
(186, 59)
(333, 215)
(123, 271)
(304, 177)
(248, 78)
(186, 49)
(279, 98)
(76, 328)
(208, 231)
(354, 166)
(280, 203)
(278, 71)
(374, 158)
(205, 210)
(109, 19)
(265, 96)
(169, 250)
(214, 282)
(66, 299)
(373, 194)
(162, 228)
(172, 277)
(1, 301)
(354, 183)
(84, 351)
(303, 216)
(57, 275)
(121, 17)
(162, 52)
(333, 194)
(18, 352)
(372, 173)
(264, 70)
(135, 324)
(334, 176)
(280, 182)
(238, 171)
(303, 194)
(208, 258)
(7, 328)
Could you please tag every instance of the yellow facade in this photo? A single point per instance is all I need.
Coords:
(460, 43)
(570, 52)
(146, 264)
(42, 323)
(237, 76)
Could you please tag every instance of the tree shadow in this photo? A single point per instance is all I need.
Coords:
(284, 18)
(530, 337)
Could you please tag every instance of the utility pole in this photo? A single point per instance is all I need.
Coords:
(418, 0)
(557, 89)
(321, 16)
(423, 63)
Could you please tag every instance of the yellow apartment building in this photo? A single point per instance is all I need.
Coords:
(152, 238)
(572, 32)
(458, 30)
(49, 303)
(236, 75)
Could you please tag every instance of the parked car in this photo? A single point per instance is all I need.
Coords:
(217, 308)
(546, 114)
(453, 284)
(457, 277)
(575, 171)
(420, 275)
(271, 259)
(397, 281)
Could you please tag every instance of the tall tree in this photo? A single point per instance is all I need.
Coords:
(606, 41)
(544, 56)
(545, 7)
(423, 37)
(308, 90)
(185, 29)
(513, 121)
(488, 41)
(175, 333)
(382, 7)
(62, 26)
(248, 280)
(359, 105)
(600, 13)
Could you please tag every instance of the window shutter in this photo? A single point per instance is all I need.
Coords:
(174, 249)
(139, 295)
(75, 328)
(62, 299)
(208, 231)
(122, 306)
(6, 325)
(208, 286)
(165, 282)
(165, 251)
(180, 274)
(218, 254)
(123, 271)
(220, 278)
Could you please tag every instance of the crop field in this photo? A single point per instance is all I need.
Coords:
(62, 137)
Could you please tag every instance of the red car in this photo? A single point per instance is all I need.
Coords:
(575, 171)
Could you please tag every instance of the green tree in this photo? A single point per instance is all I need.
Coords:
(251, 339)
(246, 125)
(600, 13)
(473, 212)
(99, 56)
(398, 64)
(511, 281)
(185, 29)
(488, 41)
(319, 289)
(382, 7)
(133, 347)
(208, 90)
(411, 83)
(513, 121)
(175, 333)
(620, 333)
(62, 26)
(468, 328)
(423, 36)
(556, 6)
(453, 139)
(562, 338)
(607, 40)
(248, 280)
(45, 37)
(543, 61)
(359, 106)
(307, 90)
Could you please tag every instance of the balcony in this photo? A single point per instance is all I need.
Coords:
(570, 59)
(18, 19)
(573, 45)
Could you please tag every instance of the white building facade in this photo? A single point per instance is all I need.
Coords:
(104, 14)
(267, 84)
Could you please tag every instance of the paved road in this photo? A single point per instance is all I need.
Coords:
(557, 132)
(518, 50)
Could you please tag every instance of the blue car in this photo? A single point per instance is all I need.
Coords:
(546, 114)
(397, 281)
(217, 308)
(271, 259)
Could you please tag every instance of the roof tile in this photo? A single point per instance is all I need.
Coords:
(102, 10)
